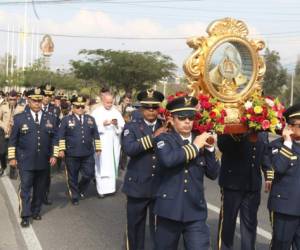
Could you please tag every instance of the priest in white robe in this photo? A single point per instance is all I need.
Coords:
(110, 124)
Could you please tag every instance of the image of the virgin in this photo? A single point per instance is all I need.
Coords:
(228, 71)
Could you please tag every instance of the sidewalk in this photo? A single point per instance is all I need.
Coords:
(9, 233)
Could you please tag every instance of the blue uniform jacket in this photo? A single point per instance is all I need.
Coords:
(285, 193)
(141, 179)
(77, 139)
(181, 193)
(242, 162)
(30, 144)
(55, 111)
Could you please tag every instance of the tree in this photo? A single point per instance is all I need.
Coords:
(276, 77)
(124, 70)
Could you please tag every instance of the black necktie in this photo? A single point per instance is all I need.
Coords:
(151, 127)
(36, 119)
(80, 118)
(186, 141)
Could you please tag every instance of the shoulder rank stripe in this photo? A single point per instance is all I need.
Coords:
(291, 157)
(286, 151)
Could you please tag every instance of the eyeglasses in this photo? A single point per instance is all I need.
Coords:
(79, 106)
(295, 125)
(184, 117)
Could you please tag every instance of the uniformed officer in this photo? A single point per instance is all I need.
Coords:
(184, 159)
(47, 106)
(240, 180)
(141, 179)
(7, 111)
(78, 141)
(32, 148)
(284, 199)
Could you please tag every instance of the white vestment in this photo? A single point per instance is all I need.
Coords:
(106, 167)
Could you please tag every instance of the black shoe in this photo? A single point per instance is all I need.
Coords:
(75, 202)
(25, 222)
(47, 201)
(82, 196)
(1, 171)
(36, 217)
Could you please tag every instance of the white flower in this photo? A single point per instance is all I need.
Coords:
(269, 102)
(248, 105)
(279, 126)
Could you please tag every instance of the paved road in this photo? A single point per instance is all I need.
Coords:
(95, 223)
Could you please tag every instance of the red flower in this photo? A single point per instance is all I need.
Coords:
(203, 98)
(212, 114)
(243, 119)
(206, 105)
(180, 94)
(265, 124)
(170, 98)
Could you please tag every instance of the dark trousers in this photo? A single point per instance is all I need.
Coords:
(195, 234)
(35, 180)
(286, 232)
(48, 184)
(234, 201)
(86, 167)
(136, 221)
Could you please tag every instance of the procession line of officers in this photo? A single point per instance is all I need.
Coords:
(165, 172)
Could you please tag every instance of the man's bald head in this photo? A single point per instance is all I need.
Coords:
(107, 100)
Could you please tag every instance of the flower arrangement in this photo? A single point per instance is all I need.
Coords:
(263, 114)
(210, 116)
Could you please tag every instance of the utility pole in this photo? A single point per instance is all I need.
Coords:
(24, 36)
(292, 89)
(7, 53)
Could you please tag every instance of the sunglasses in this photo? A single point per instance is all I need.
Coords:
(184, 117)
(148, 107)
(79, 106)
(295, 125)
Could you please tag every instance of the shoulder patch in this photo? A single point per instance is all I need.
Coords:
(160, 144)
(126, 132)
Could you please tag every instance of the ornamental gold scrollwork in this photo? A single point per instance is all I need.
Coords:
(226, 64)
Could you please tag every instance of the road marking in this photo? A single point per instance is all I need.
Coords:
(259, 230)
(31, 240)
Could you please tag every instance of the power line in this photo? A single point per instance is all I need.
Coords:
(267, 35)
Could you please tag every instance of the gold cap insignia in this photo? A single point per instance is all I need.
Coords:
(37, 91)
(80, 99)
(187, 100)
(150, 93)
(48, 87)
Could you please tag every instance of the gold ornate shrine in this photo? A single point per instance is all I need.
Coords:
(226, 65)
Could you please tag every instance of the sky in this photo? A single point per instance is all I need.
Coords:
(120, 25)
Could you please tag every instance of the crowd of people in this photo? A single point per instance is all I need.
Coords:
(165, 163)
